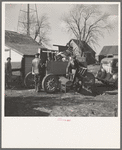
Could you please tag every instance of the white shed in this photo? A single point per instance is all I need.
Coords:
(9, 52)
(21, 48)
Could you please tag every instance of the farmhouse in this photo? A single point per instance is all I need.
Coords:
(108, 50)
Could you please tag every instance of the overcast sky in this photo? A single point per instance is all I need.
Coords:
(55, 12)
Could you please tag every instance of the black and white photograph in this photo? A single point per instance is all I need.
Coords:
(61, 61)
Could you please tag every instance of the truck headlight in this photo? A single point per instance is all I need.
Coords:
(115, 76)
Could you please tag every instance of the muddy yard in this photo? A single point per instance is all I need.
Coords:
(25, 102)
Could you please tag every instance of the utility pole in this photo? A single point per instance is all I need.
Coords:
(28, 20)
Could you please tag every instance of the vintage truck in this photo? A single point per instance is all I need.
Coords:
(108, 72)
(55, 69)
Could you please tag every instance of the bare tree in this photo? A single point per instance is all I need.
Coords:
(87, 23)
(43, 29)
(39, 28)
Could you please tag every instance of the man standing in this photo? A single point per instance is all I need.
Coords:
(8, 72)
(36, 69)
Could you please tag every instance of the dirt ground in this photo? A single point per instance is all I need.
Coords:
(25, 102)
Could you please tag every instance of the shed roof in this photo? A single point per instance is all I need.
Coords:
(109, 50)
(21, 43)
(84, 45)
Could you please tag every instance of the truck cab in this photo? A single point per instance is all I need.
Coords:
(108, 72)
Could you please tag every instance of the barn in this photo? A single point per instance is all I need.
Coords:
(108, 50)
(84, 47)
(21, 48)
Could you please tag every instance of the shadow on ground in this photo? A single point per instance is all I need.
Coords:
(20, 106)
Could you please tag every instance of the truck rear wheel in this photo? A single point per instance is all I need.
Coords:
(29, 80)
